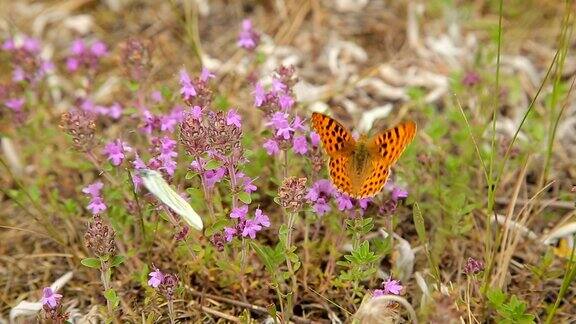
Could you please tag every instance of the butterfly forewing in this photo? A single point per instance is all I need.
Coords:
(336, 139)
(390, 144)
(340, 175)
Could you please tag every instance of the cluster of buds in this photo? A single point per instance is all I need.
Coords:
(99, 238)
(292, 193)
(81, 125)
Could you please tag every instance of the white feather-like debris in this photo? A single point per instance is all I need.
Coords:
(154, 182)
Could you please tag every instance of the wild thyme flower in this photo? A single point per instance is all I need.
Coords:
(84, 56)
(50, 298)
(389, 287)
(195, 92)
(96, 205)
(25, 60)
(471, 79)
(292, 193)
(218, 240)
(52, 306)
(246, 227)
(116, 151)
(168, 286)
(99, 238)
(81, 126)
(319, 195)
(248, 37)
(165, 150)
(473, 266)
(156, 278)
(136, 58)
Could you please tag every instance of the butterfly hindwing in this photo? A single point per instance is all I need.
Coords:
(336, 139)
(390, 144)
(339, 173)
(375, 179)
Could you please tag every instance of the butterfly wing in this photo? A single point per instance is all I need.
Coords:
(385, 149)
(391, 143)
(336, 139)
(339, 145)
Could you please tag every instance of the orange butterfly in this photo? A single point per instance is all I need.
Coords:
(360, 168)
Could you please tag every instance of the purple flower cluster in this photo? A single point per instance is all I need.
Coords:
(113, 111)
(166, 283)
(84, 56)
(389, 287)
(397, 194)
(50, 299)
(28, 69)
(288, 129)
(322, 192)
(248, 38)
(96, 205)
(246, 227)
(27, 64)
(116, 151)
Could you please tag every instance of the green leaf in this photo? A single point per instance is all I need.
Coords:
(212, 164)
(496, 297)
(91, 263)
(112, 297)
(190, 175)
(133, 86)
(245, 197)
(117, 260)
(263, 256)
(419, 223)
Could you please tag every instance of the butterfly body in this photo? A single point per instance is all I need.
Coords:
(360, 168)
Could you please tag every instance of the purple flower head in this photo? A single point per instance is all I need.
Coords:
(344, 202)
(278, 86)
(261, 218)
(93, 190)
(233, 118)
(15, 104)
(211, 177)
(321, 188)
(259, 95)
(239, 212)
(300, 145)
(473, 266)
(285, 101)
(186, 88)
(248, 37)
(321, 207)
(78, 47)
(8, 45)
(196, 113)
(280, 122)
(205, 75)
(392, 287)
(156, 96)
(272, 147)
(116, 150)
(320, 194)
(31, 45)
(298, 123)
(72, 64)
(50, 299)
(251, 228)
(115, 111)
(399, 193)
(314, 139)
(170, 121)
(96, 205)
(229, 233)
(246, 182)
(156, 278)
(99, 49)
(471, 79)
